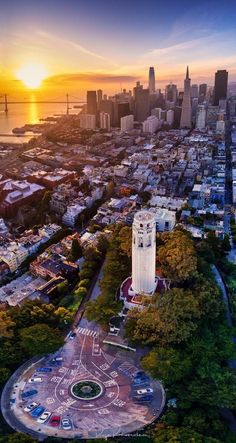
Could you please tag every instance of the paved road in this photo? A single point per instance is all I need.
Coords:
(84, 323)
(114, 413)
(226, 413)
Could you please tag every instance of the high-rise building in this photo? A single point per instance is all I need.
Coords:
(108, 107)
(201, 117)
(202, 92)
(220, 124)
(171, 93)
(99, 96)
(221, 84)
(105, 121)
(186, 114)
(127, 123)
(170, 117)
(151, 124)
(212, 114)
(142, 104)
(194, 91)
(92, 102)
(144, 253)
(151, 82)
(87, 121)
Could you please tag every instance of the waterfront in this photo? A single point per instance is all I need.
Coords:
(21, 113)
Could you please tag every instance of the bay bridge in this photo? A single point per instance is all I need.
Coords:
(68, 100)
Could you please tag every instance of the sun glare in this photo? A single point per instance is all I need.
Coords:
(32, 75)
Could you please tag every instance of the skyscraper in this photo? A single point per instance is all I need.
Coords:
(171, 93)
(201, 117)
(221, 84)
(186, 115)
(194, 91)
(99, 96)
(202, 92)
(92, 102)
(151, 83)
(142, 104)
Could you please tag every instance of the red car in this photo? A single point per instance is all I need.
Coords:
(54, 420)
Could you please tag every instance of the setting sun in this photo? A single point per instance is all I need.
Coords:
(32, 75)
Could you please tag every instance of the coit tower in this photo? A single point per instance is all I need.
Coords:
(143, 253)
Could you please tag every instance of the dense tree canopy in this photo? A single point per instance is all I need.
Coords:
(169, 434)
(6, 325)
(40, 339)
(116, 268)
(177, 256)
(171, 318)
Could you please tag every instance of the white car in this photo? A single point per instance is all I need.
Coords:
(30, 407)
(44, 417)
(145, 391)
(66, 424)
(35, 380)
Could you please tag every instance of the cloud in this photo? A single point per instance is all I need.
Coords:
(183, 46)
(74, 45)
(91, 77)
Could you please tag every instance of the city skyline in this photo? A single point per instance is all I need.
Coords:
(113, 47)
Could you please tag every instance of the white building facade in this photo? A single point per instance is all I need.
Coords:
(127, 123)
(144, 253)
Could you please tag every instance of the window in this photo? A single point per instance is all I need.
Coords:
(140, 242)
(149, 241)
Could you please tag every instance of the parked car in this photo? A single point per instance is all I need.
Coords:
(37, 411)
(145, 391)
(30, 407)
(141, 380)
(143, 398)
(35, 380)
(27, 394)
(66, 424)
(139, 374)
(44, 417)
(44, 370)
(72, 335)
(54, 420)
(56, 361)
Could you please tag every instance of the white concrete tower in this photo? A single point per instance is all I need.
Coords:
(143, 253)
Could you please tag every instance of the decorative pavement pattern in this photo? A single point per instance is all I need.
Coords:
(113, 413)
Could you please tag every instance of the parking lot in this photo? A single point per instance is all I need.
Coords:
(118, 407)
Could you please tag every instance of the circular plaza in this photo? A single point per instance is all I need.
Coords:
(86, 390)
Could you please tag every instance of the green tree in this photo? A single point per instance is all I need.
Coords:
(64, 317)
(167, 364)
(18, 438)
(85, 283)
(76, 250)
(102, 244)
(63, 287)
(171, 318)
(168, 434)
(82, 292)
(6, 325)
(4, 375)
(126, 240)
(40, 339)
(177, 256)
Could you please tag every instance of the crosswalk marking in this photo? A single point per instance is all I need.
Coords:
(86, 331)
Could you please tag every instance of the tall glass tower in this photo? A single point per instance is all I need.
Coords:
(151, 83)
